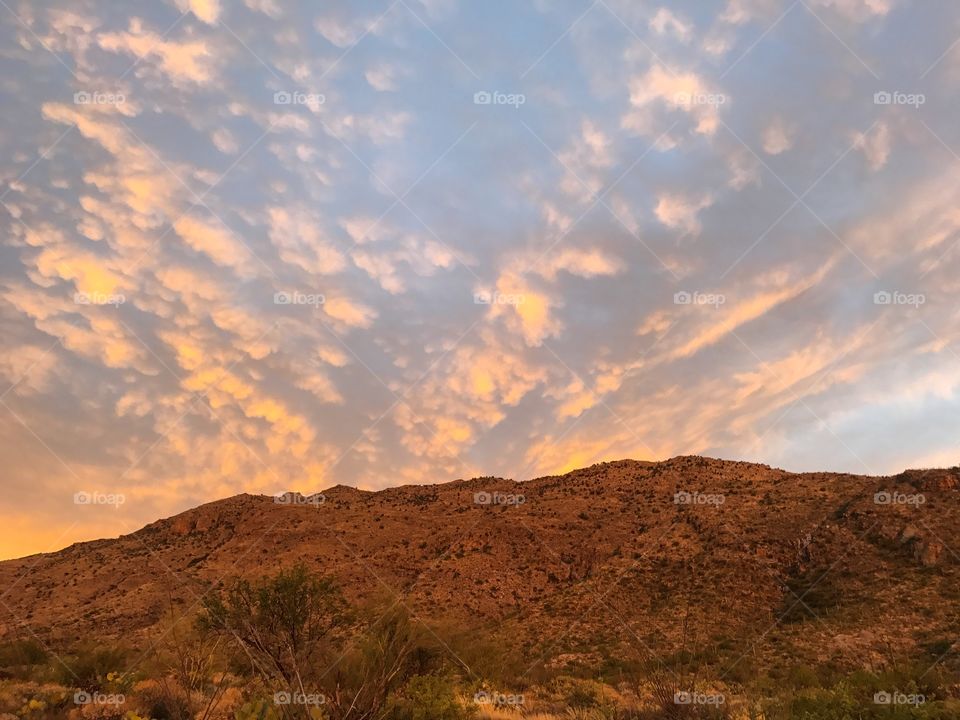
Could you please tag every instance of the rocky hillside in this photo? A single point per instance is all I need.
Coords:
(616, 562)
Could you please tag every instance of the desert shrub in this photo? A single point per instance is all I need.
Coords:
(23, 659)
(581, 696)
(188, 681)
(88, 667)
(292, 629)
(488, 657)
(836, 703)
(391, 650)
(814, 594)
(158, 702)
(428, 697)
(852, 699)
(33, 701)
(803, 676)
(19, 653)
(281, 624)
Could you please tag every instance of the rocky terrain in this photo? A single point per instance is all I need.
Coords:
(619, 562)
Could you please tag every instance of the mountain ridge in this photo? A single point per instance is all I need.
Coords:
(573, 568)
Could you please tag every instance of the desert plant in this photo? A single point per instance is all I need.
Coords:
(189, 683)
(88, 666)
(428, 697)
(360, 684)
(281, 624)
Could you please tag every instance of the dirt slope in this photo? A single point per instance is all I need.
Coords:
(601, 565)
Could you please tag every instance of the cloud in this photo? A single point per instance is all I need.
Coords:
(28, 369)
(185, 63)
(875, 145)
(684, 91)
(738, 12)
(350, 313)
(297, 234)
(666, 23)
(216, 241)
(363, 229)
(474, 386)
(857, 9)
(582, 262)
(346, 32)
(382, 77)
(268, 7)
(206, 10)
(749, 309)
(525, 310)
(777, 137)
(382, 268)
(679, 212)
(224, 141)
(200, 385)
(588, 155)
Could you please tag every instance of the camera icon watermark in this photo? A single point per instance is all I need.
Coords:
(498, 298)
(99, 498)
(311, 100)
(887, 497)
(684, 497)
(898, 698)
(82, 697)
(295, 498)
(887, 297)
(692, 697)
(885, 97)
(708, 99)
(297, 697)
(86, 97)
(685, 297)
(295, 297)
(497, 699)
(98, 298)
(497, 498)
(515, 100)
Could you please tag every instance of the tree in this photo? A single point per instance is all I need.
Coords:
(282, 624)
(391, 650)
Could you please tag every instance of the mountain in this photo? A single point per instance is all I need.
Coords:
(616, 562)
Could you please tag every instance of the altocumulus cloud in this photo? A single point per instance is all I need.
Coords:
(268, 245)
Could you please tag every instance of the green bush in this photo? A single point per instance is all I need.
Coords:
(19, 653)
(87, 667)
(281, 624)
(428, 697)
(23, 659)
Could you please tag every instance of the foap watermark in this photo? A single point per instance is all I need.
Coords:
(99, 498)
(693, 697)
(82, 697)
(690, 99)
(497, 298)
(311, 100)
(885, 97)
(295, 297)
(99, 298)
(895, 297)
(898, 698)
(699, 298)
(684, 497)
(483, 97)
(497, 498)
(892, 497)
(95, 97)
(295, 498)
(298, 698)
(498, 699)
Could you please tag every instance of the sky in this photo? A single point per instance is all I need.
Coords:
(256, 245)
